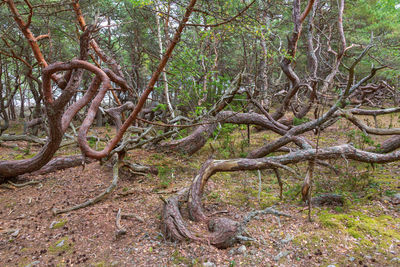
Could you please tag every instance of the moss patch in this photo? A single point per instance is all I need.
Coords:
(378, 231)
(61, 245)
(58, 224)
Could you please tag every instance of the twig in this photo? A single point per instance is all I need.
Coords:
(278, 176)
(218, 212)
(131, 215)
(98, 198)
(253, 214)
(24, 184)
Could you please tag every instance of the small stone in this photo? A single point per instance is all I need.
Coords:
(287, 239)
(209, 264)
(15, 233)
(281, 255)
(61, 243)
(52, 224)
(352, 259)
(331, 265)
(242, 249)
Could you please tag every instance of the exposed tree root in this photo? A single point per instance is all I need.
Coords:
(98, 198)
(61, 163)
(139, 169)
(224, 231)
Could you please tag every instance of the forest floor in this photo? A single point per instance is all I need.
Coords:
(365, 231)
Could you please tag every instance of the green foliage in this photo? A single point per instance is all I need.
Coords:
(165, 176)
(140, 3)
(92, 141)
(358, 181)
(108, 127)
(226, 140)
(298, 121)
(160, 106)
(360, 139)
(382, 20)
(293, 191)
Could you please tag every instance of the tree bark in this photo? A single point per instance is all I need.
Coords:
(197, 139)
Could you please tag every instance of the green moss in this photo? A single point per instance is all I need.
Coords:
(24, 250)
(298, 121)
(104, 264)
(268, 199)
(214, 196)
(125, 189)
(61, 245)
(10, 204)
(380, 230)
(238, 198)
(59, 224)
(158, 156)
(178, 258)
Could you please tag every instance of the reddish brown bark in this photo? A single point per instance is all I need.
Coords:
(57, 164)
(54, 111)
(89, 119)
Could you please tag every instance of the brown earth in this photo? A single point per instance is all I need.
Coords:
(364, 232)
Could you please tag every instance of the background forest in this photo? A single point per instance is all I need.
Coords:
(200, 133)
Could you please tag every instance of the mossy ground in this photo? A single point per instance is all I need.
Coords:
(364, 231)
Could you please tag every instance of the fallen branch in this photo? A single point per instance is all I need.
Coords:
(120, 230)
(24, 137)
(130, 215)
(23, 184)
(139, 169)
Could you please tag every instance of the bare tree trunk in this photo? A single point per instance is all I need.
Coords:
(22, 104)
(160, 45)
